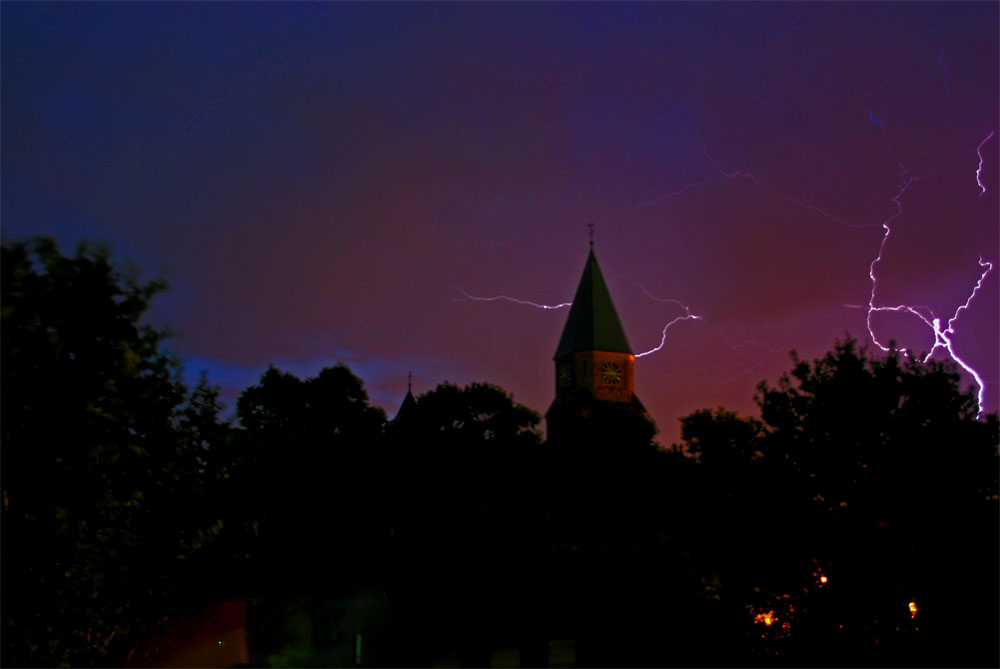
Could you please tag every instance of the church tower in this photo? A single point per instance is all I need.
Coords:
(594, 362)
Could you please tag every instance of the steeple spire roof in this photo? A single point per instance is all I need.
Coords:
(593, 323)
(409, 405)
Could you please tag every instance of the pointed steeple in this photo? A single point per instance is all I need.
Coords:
(593, 323)
(409, 405)
(595, 367)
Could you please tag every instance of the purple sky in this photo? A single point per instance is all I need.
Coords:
(320, 182)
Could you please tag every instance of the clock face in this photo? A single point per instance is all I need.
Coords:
(565, 376)
(611, 374)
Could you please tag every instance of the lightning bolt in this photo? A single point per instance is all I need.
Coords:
(735, 174)
(739, 174)
(687, 316)
(826, 214)
(907, 182)
(668, 300)
(942, 336)
(504, 298)
(979, 170)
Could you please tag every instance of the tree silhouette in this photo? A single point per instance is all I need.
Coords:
(465, 466)
(853, 522)
(312, 490)
(867, 497)
(101, 461)
(312, 448)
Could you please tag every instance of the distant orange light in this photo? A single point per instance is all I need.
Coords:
(823, 579)
(913, 609)
(766, 618)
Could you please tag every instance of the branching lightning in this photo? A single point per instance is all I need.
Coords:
(687, 316)
(942, 337)
(739, 174)
(826, 214)
(723, 176)
(504, 298)
(942, 334)
(668, 300)
(907, 182)
(735, 174)
(680, 191)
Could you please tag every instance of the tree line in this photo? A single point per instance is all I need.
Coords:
(853, 522)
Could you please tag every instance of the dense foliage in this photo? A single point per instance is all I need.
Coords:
(852, 523)
(102, 472)
(310, 492)
(861, 509)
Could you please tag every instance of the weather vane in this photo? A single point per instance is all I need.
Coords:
(590, 232)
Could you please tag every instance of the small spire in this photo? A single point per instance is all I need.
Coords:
(590, 231)
(409, 382)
